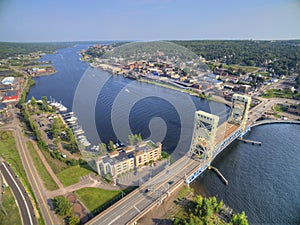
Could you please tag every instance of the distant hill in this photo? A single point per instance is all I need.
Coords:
(11, 49)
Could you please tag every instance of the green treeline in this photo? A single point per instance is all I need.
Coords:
(282, 56)
(10, 49)
(204, 211)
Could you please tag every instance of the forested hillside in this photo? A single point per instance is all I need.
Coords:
(282, 56)
(10, 49)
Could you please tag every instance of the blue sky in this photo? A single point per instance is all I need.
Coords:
(72, 20)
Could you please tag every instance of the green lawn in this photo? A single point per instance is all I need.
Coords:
(9, 152)
(280, 108)
(71, 175)
(9, 213)
(247, 69)
(56, 165)
(39, 165)
(94, 198)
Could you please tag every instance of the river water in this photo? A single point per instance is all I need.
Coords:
(264, 181)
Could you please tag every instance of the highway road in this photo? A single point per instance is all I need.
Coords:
(23, 200)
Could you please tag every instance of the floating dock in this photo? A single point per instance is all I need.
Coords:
(219, 174)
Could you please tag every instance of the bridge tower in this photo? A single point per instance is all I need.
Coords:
(239, 110)
(205, 127)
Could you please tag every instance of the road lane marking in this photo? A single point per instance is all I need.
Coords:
(114, 220)
(124, 206)
(137, 209)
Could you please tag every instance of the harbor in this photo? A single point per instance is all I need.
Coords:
(71, 121)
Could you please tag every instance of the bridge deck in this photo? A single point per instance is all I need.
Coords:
(224, 131)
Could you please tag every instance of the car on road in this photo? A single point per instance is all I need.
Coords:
(170, 182)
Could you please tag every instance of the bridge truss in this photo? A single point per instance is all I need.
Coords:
(209, 140)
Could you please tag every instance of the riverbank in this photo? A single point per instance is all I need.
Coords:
(184, 204)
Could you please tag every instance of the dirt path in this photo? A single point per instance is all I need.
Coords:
(48, 168)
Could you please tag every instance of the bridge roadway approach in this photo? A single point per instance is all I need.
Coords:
(136, 204)
(22, 198)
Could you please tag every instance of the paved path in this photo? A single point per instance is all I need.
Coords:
(87, 182)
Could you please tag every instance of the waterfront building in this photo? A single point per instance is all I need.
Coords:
(128, 158)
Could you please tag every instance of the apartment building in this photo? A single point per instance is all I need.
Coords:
(129, 158)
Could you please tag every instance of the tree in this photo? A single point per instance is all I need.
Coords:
(198, 199)
(111, 146)
(102, 149)
(74, 220)
(33, 102)
(220, 205)
(164, 155)
(62, 205)
(214, 202)
(207, 209)
(239, 219)
(45, 105)
(134, 139)
(56, 127)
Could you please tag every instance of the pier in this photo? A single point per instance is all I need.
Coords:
(219, 174)
(250, 141)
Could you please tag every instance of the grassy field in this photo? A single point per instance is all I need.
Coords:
(247, 69)
(47, 179)
(71, 175)
(281, 93)
(9, 213)
(94, 198)
(56, 165)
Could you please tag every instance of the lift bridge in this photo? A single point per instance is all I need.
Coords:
(209, 139)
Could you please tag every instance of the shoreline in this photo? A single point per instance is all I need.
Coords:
(213, 98)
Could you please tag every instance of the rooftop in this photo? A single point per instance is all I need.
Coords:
(128, 152)
(8, 80)
(10, 93)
